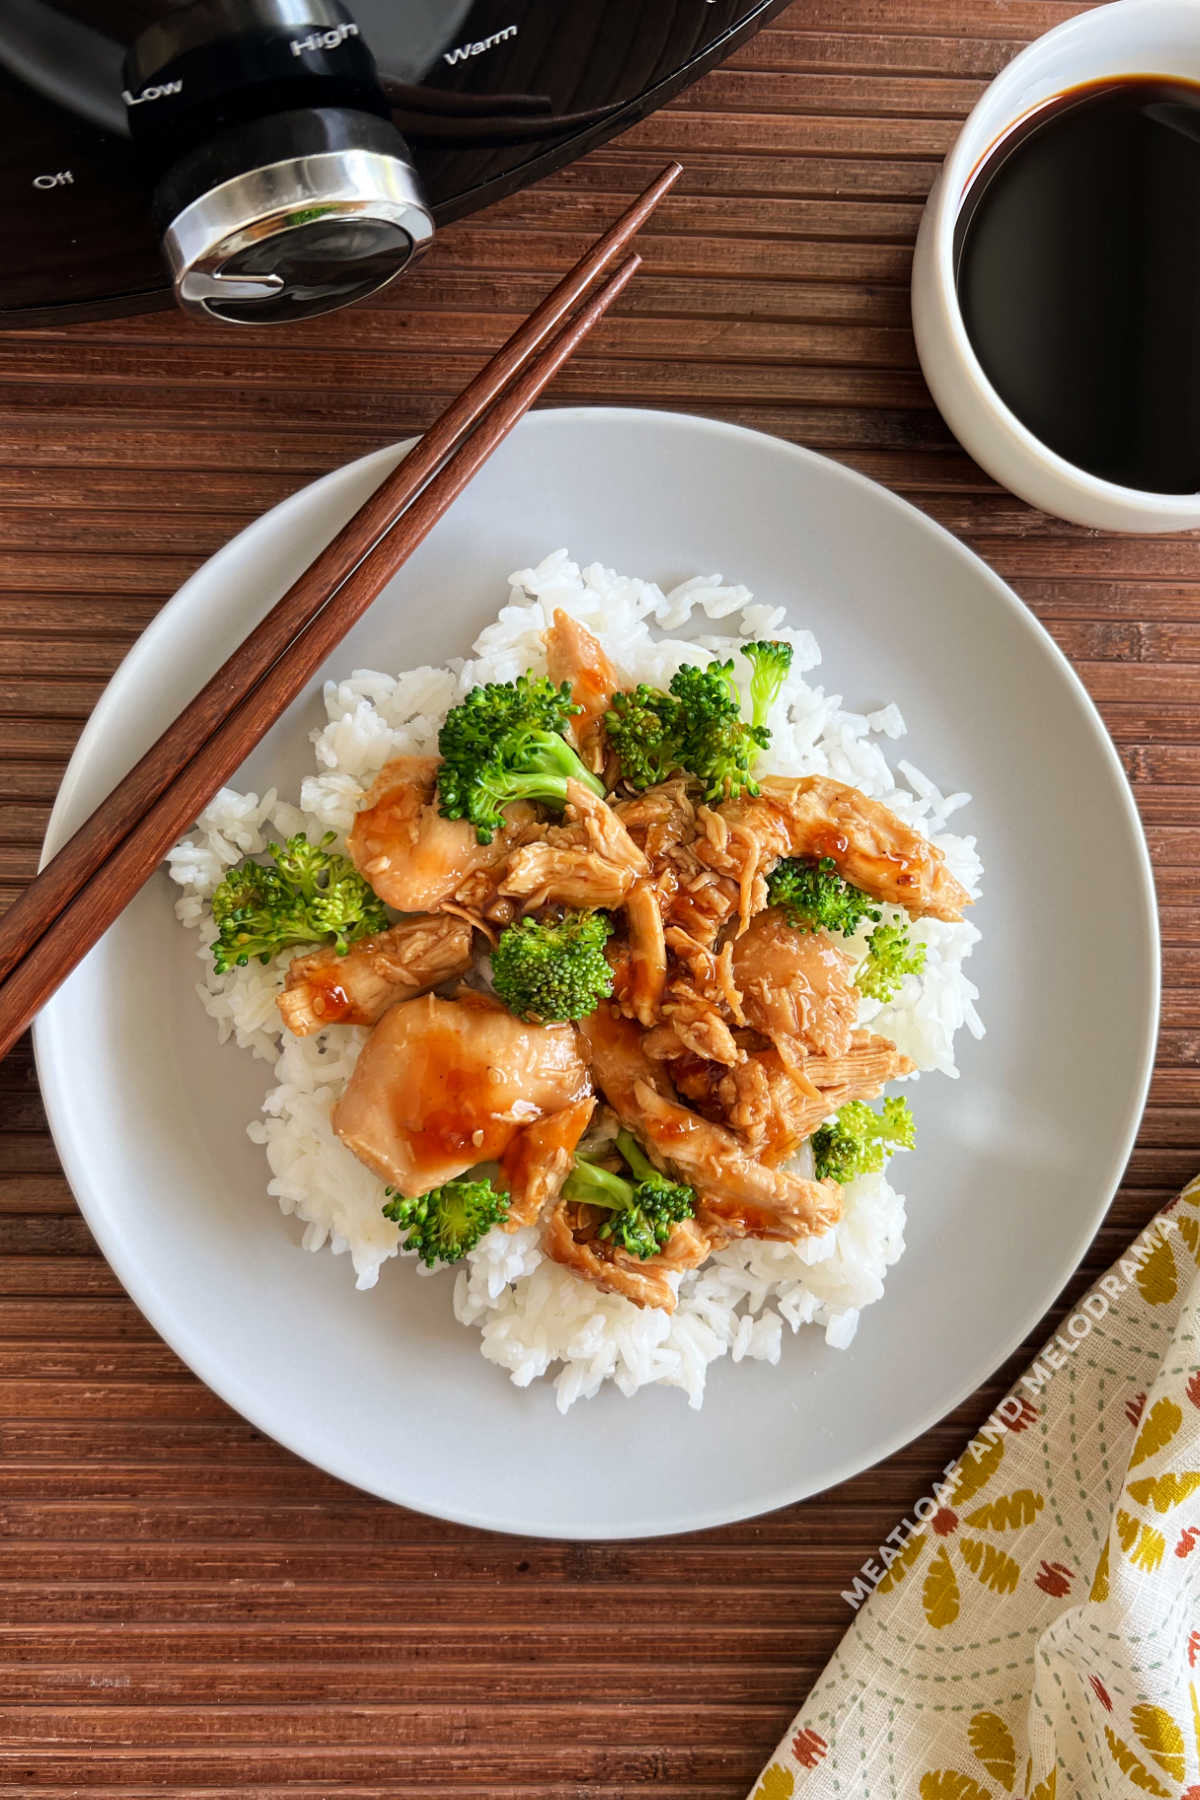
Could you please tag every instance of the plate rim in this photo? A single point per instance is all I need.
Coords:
(229, 1389)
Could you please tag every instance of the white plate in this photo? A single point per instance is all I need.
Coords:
(1017, 1160)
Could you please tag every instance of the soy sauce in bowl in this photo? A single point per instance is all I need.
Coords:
(1077, 263)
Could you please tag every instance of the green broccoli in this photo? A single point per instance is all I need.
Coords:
(644, 1209)
(697, 726)
(503, 743)
(890, 957)
(715, 743)
(446, 1223)
(556, 971)
(861, 1141)
(643, 726)
(310, 896)
(814, 896)
(769, 659)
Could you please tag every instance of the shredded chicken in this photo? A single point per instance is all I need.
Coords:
(323, 988)
(814, 816)
(709, 973)
(764, 1103)
(442, 1085)
(700, 1005)
(415, 859)
(865, 1070)
(571, 1239)
(538, 1160)
(692, 1026)
(589, 861)
(775, 1105)
(692, 897)
(660, 820)
(573, 655)
(797, 987)
(647, 976)
(748, 1198)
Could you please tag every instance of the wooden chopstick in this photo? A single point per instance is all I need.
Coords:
(134, 858)
(34, 911)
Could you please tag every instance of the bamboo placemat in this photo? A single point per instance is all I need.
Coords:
(186, 1610)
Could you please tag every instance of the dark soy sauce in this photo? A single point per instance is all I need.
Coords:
(1077, 259)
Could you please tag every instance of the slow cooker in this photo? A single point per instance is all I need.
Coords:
(266, 160)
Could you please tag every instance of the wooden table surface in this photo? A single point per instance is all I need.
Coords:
(185, 1609)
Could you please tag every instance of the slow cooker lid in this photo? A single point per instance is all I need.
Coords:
(488, 93)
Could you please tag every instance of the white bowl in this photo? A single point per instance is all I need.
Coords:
(1131, 37)
(1016, 1161)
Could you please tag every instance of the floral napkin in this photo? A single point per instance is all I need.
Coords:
(1032, 1628)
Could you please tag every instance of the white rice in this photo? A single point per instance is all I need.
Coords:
(533, 1316)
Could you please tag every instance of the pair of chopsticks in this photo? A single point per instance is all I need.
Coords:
(74, 900)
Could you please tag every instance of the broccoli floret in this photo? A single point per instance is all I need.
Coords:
(715, 742)
(553, 972)
(643, 726)
(446, 1223)
(890, 957)
(643, 1209)
(770, 660)
(697, 726)
(503, 743)
(310, 896)
(861, 1141)
(814, 896)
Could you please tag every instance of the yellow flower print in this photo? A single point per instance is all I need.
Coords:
(1158, 1428)
(1160, 1274)
(992, 1742)
(993, 1748)
(1132, 1767)
(949, 1784)
(775, 1783)
(951, 1525)
(1099, 1591)
(1157, 1733)
(1143, 1543)
(1159, 1736)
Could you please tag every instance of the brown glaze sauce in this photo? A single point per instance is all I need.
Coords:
(829, 843)
(330, 1000)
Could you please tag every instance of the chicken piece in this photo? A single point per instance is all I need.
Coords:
(414, 858)
(814, 816)
(538, 1161)
(570, 1239)
(588, 861)
(660, 819)
(573, 655)
(691, 1026)
(324, 988)
(700, 1004)
(761, 1102)
(647, 975)
(709, 974)
(747, 1198)
(692, 897)
(750, 1199)
(864, 1071)
(770, 1105)
(729, 844)
(774, 1106)
(442, 1085)
(797, 987)
(702, 905)
(697, 1081)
